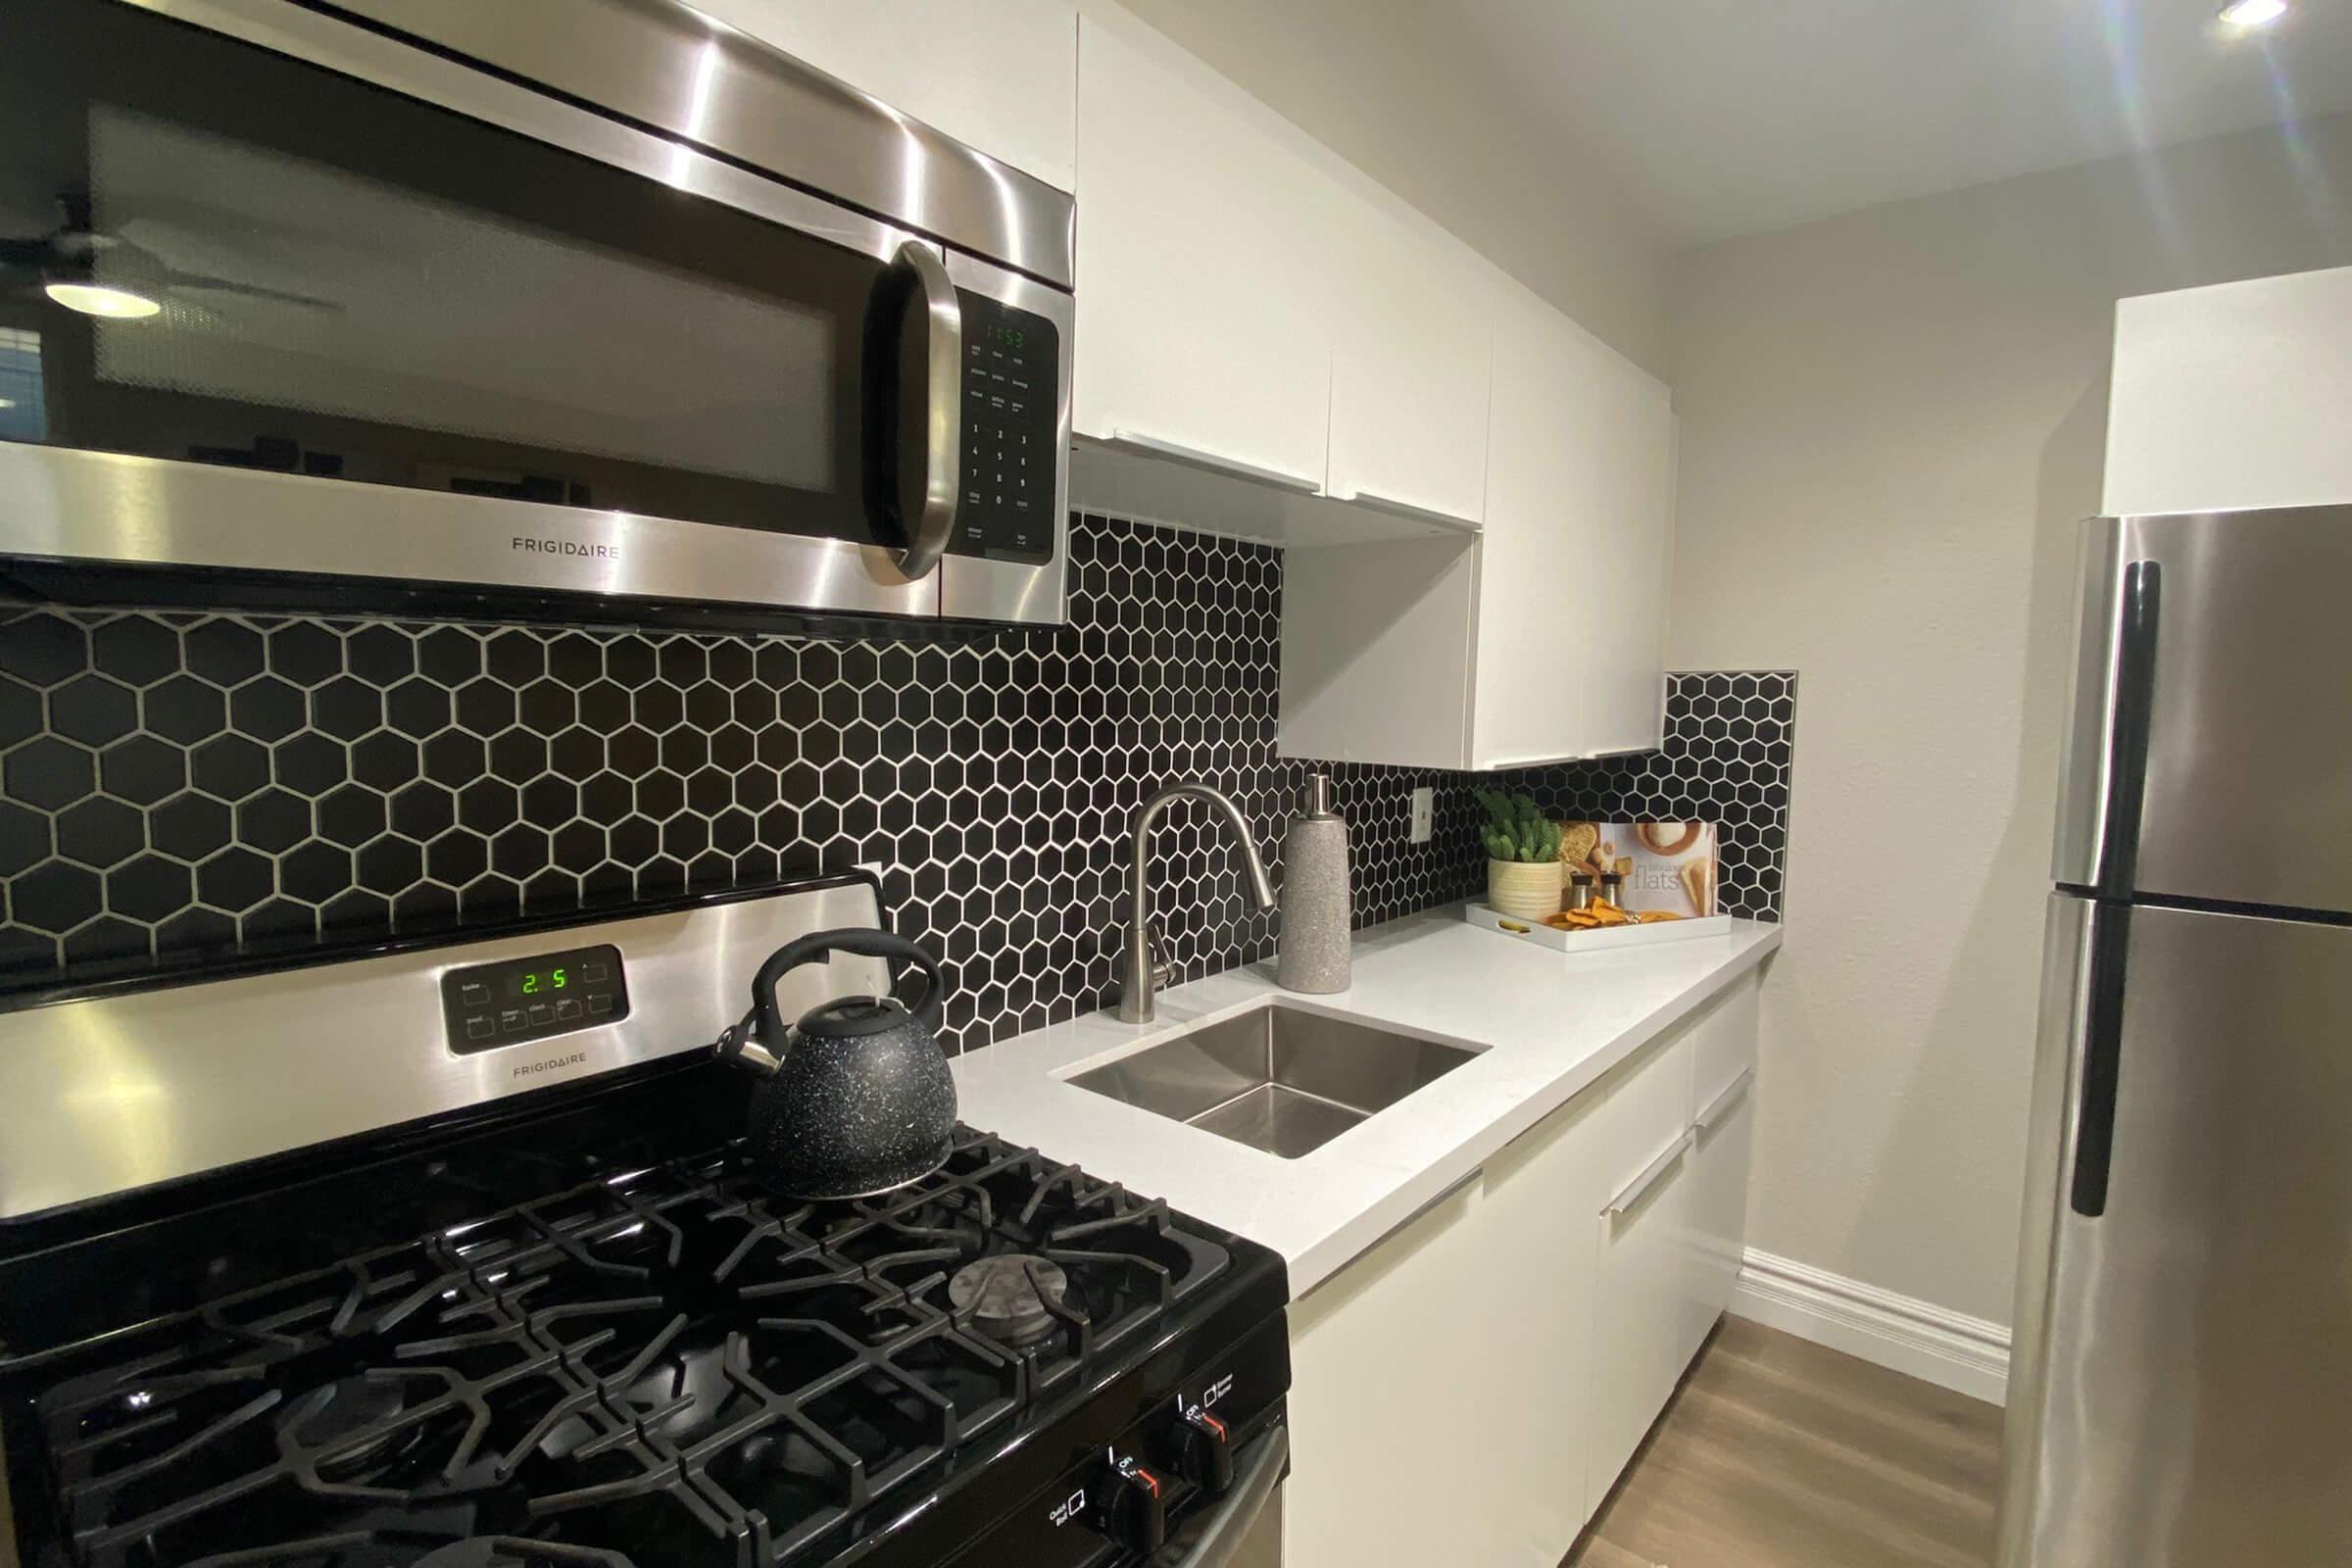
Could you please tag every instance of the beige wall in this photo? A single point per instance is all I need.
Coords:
(1385, 83)
(1891, 423)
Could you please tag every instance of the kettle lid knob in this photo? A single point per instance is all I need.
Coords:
(854, 1017)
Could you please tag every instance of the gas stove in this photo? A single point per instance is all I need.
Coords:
(573, 1326)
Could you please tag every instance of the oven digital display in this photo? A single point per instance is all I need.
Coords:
(539, 982)
(518, 1001)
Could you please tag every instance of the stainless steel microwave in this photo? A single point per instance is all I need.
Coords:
(596, 306)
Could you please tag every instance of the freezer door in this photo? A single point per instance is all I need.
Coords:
(2180, 1384)
(2210, 756)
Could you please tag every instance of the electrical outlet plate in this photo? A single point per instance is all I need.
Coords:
(1425, 811)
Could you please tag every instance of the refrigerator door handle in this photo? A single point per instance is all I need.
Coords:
(2134, 702)
(2101, 1052)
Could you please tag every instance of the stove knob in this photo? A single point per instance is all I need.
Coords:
(1200, 1450)
(1129, 1507)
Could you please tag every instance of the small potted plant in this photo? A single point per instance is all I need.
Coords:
(1523, 856)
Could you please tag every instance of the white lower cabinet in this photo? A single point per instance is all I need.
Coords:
(1641, 1224)
(1724, 1128)
(1394, 1370)
(1469, 1389)
(1718, 1181)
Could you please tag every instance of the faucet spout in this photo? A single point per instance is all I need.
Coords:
(1139, 975)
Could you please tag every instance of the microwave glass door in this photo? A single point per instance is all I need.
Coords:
(220, 255)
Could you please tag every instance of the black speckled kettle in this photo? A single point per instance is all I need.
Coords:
(855, 1098)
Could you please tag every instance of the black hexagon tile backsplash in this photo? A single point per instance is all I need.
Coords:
(1731, 742)
(178, 786)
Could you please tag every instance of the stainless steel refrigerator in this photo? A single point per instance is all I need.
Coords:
(2181, 1381)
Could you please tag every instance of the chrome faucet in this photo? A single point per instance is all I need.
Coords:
(1140, 977)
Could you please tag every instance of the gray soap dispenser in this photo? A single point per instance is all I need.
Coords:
(1317, 898)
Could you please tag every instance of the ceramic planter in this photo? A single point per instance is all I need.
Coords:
(1525, 890)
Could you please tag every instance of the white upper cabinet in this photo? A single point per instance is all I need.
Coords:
(1205, 267)
(1571, 624)
(1535, 575)
(1001, 77)
(2233, 396)
(1623, 498)
(1540, 639)
(1409, 372)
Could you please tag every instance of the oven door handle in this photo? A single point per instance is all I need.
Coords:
(940, 478)
(1229, 1526)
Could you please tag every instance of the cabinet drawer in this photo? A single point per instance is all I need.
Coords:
(1644, 1312)
(1720, 1151)
(1649, 1108)
(1723, 1041)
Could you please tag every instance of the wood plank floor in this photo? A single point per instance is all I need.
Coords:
(1779, 1453)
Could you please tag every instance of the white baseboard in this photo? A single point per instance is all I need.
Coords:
(1967, 1355)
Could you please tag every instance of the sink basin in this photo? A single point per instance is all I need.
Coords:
(1277, 1078)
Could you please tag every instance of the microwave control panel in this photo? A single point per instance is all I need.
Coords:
(1012, 360)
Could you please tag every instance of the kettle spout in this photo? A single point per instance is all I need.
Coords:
(738, 1047)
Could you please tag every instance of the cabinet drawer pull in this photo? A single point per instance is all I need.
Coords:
(1721, 1106)
(1406, 509)
(1639, 1188)
(1214, 462)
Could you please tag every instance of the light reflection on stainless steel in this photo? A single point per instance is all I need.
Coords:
(105, 507)
(647, 59)
(169, 1083)
(2239, 729)
(2177, 1393)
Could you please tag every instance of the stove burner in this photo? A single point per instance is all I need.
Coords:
(1013, 1297)
(353, 1407)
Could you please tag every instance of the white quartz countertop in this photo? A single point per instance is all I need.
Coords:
(1550, 1023)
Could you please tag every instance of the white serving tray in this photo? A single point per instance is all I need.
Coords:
(1604, 939)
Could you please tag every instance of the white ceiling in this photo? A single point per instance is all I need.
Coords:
(1730, 117)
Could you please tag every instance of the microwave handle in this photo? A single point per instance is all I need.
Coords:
(942, 455)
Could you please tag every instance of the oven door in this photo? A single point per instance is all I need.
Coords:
(282, 295)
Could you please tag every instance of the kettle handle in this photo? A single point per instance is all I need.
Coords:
(867, 943)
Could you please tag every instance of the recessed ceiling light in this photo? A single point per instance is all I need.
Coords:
(8, 403)
(96, 299)
(2253, 13)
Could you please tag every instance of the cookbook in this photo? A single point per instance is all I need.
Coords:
(1669, 866)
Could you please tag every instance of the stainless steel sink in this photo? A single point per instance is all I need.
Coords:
(1277, 1078)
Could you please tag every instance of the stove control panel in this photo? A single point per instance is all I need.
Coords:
(1195, 1435)
(516, 1001)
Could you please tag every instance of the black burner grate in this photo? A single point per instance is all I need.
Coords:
(665, 1367)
